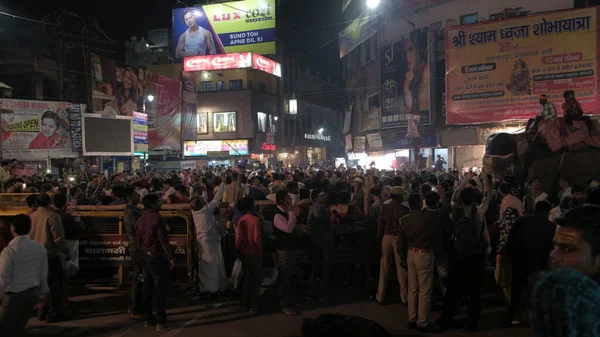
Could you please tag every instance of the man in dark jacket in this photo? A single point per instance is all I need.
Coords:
(130, 215)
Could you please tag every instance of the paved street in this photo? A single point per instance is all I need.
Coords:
(103, 315)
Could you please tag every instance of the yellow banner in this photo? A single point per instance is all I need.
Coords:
(496, 70)
(28, 125)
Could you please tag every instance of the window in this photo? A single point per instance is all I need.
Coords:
(224, 121)
(202, 123)
(235, 85)
(273, 123)
(205, 86)
(220, 85)
(374, 101)
(262, 121)
(468, 19)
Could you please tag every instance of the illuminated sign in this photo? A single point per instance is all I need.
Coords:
(232, 61)
(268, 147)
(317, 137)
(202, 148)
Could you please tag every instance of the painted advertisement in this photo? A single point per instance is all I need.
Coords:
(201, 148)
(188, 105)
(497, 70)
(223, 28)
(164, 115)
(405, 81)
(36, 130)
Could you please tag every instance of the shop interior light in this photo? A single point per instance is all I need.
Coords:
(293, 106)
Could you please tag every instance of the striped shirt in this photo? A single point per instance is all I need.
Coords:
(23, 265)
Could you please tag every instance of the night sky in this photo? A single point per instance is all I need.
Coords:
(313, 22)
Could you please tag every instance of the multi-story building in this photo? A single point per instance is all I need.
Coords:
(386, 48)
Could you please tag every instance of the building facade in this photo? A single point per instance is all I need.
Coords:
(378, 48)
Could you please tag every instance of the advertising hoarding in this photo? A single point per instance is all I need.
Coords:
(232, 61)
(405, 81)
(188, 105)
(164, 115)
(230, 27)
(201, 148)
(497, 70)
(107, 135)
(36, 130)
(140, 132)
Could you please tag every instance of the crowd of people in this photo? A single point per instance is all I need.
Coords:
(436, 229)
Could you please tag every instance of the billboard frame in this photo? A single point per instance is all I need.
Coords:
(95, 115)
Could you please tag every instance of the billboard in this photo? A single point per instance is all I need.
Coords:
(497, 70)
(36, 130)
(117, 91)
(357, 32)
(188, 105)
(164, 115)
(223, 28)
(231, 61)
(140, 132)
(405, 81)
(202, 148)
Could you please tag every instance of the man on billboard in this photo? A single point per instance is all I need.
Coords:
(195, 40)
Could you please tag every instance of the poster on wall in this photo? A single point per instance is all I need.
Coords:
(405, 81)
(36, 130)
(231, 27)
(188, 105)
(498, 69)
(164, 115)
(371, 119)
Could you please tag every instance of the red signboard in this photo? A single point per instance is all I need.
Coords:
(267, 65)
(268, 147)
(232, 61)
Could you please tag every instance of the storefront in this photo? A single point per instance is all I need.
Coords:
(315, 150)
(466, 145)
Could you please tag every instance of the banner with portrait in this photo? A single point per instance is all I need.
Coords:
(231, 27)
(36, 130)
(405, 81)
(117, 91)
(498, 69)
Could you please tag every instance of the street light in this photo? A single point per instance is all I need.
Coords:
(321, 130)
(276, 118)
(150, 98)
(372, 4)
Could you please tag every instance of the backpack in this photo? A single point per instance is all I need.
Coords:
(466, 240)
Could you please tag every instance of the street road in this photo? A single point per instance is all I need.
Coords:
(104, 315)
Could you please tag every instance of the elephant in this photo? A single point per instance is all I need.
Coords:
(522, 157)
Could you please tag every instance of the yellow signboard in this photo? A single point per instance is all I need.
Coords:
(496, 70)
(28, 125)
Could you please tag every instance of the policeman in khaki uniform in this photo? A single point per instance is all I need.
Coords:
(388, 231)
(418, 234)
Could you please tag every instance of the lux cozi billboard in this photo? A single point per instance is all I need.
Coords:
(232, 61)
(230, 27)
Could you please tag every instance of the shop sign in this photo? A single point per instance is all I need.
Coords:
(359, 144)
(317, 137)
(425, 141)
(374, 141)
(268, 147)
(201, 148)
